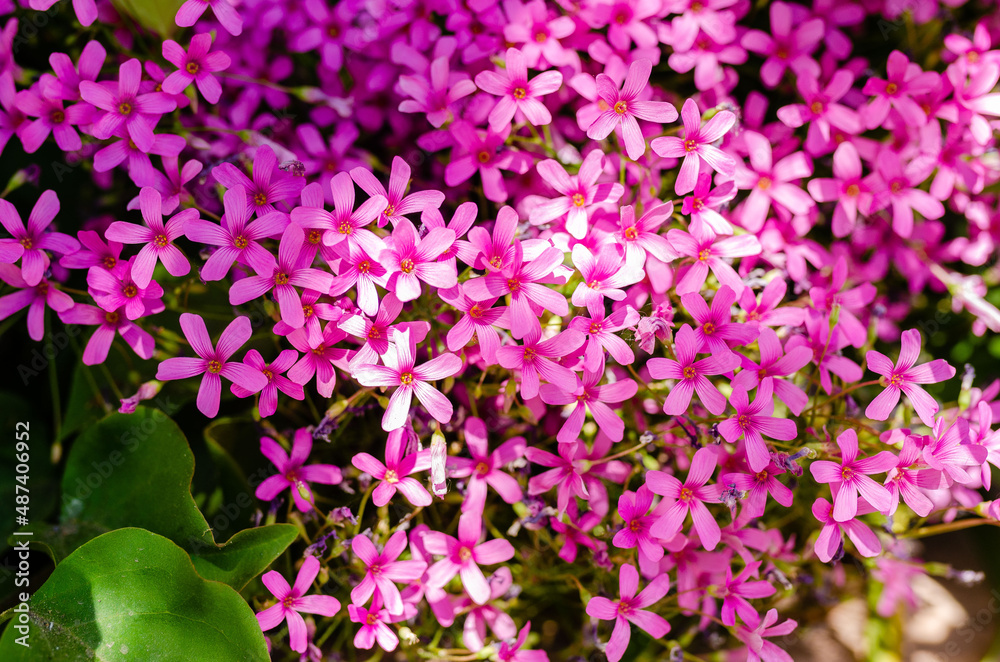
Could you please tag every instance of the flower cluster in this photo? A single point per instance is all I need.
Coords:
(609, 275)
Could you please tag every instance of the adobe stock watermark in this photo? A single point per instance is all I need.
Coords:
(40, 359)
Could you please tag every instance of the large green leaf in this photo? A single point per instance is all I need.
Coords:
(134, 470)
(155, 15)
(133, 595)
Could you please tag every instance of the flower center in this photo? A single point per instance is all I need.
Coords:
(407, 265)
(578, 199)
(743, 421)
(389, 210)
(319, 350)
(634, 525)
(595, 327)
(764, 183)
(372, 618)
(484, 156)
(624, 608)
(464, 554)
(260, 199)
(406, 378)
(482, 469)
(704, 254)
(26, 242)
(761, 476)
(345, 227)
(307, 311)
(520, 93)
(130, 290)
(690, 372)
(314, 237)
(621, 107)
(762, 373)
(374, 333)
(268, 374)
(57, 117)
(192, 68)
(852, 190)
(475, 312)
(287, 602)
(816, 107)
(214, 367)
(281, 278)
(240, 242)
(110, 262)
(111, 318)
(364, 266)
(513, 284)
(42, 288)
(124, 108)
(594, 284)
(690, 145)
(686, 494)
(631, 234)
(781, 53)
(161, 240)
(896, 186)
(847, 473)
(529, 354)
(708, 328)
(891, 88)
(540, 37)
(391, 476)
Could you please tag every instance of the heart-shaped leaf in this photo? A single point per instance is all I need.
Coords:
(133, 595)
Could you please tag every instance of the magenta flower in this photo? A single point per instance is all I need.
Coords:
(212, 362)
(494, 251)
(196, 65)
(589, 395)
(905, 377)
(633, 508)
(702, 203)
(897, 186)
(140, 166)
(464, 555)
(601, 334)
(696, 146)
(345, 223)
(34, 297)
(156, 236)
(579, 193)
(831, 536)
(291, 600)
(276, 381)
(850, 477)
(771, 183)
(485, 154)
(604, 275)
(820, 109)
(567, 473)
(269, 185)
(373, 625)
(225, 13)
(52, 119)
(736, 591)
(711, 252)
(715, 328)
(690, 497)
(378, 333)
(851, 191)
(758, 648)
(479, 616)
(398, 204)
(537, 359)
(905, 481)
(318, 356)
(400, 371)
(640, 236)
(382, 569)
(775, 363)
(484, 467)
(237, 239)
(518, 95)
(524, 282)
(691, 374)
(790, 43)
(108, 324)
(115, 288)
(285, 276)
(139, 113)
(630, 608)
(478, 318)
(395, 473)
(293, 473)
(752, 421)
(30, 243)
(361, 272)
(826, 345)
(950, 452)
(411, 259)
(93, 252)
(86, 10)
(904, 80)
(764, 310)
(623, 107)
(757, 486)
(435, 93)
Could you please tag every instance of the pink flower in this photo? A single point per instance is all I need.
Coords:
(790, 43)
(820, 110)
(757, 486)
(850, 477)
(93, 252)
(630, 608)
(771, 183)
(765, 311)
(711, 253)
(524, 282)
(897, 186)
(640, 236)
(736, 590)
(696, 146)
(410, 379)
(484, 467)
(212, 362)
(534, 360)
(633, 508)
(759, 650)
(373, 625)
(157, 238)
(904, 481)
(518, 95)
(86, 10)
(30, 243)
(623, 107)
(774, 363)
(600, 332)
(276, 381)
(513, 652)
(904, 80)
(108, 324)
(691, 374)
(292, 475)
(139, 113)
(464, 555)
(35, 297)
(291, 600)
(52, 119)
(478, 318)
(114, 289)
(318, 356)
(715, 328)
(284, 277)
(378, 333)
(752, 421)
(398, 204)
(269, 185)
(904, 377)
(360, 271)
(588, 395)
(604, 274)
(382, 570)
(237, 239)
(483, 153)
(345, 223)
(580, 193)
(701, 204)
(950, 451)
(851, 191)
(197, 65)
(474, 630)
(689, 497)
(435, 92)
(831, 536)
(225, 13)
(395, 473)
(411, 259)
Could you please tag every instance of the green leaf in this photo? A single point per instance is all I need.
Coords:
(135, 470)
(155, 15)
(133, 595)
